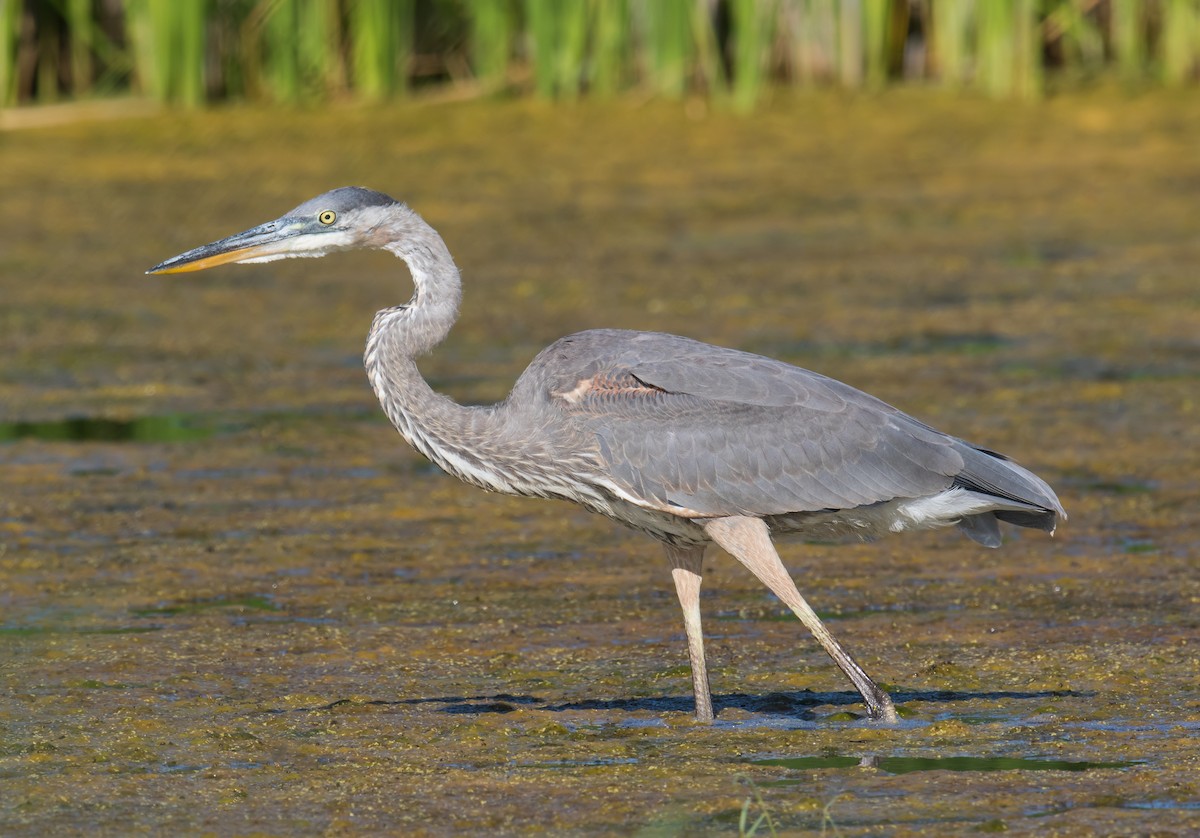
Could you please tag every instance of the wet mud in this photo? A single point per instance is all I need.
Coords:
(233, 602)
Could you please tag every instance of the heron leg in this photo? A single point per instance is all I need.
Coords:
(748, 541)
(685, 570)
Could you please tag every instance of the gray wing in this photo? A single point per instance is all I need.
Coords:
(684, 424)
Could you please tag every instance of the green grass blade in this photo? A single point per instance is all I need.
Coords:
(318, 48)
(541, 17)
(951, 39)
(188, 53)
(149, 40)
(877, 16)
(995, 21)
(10, 22)
(753, 23)
(572, 50)
(282, 66)
(559, 33)
(610, 53)
(666, 40)
(491, 23)
(708, 67)
(1128, 38)
(169, 42)
(78, 15)
(1180, 41)
(1027, 49)
(381, 37)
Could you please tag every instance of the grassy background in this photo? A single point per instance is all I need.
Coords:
(190, 52)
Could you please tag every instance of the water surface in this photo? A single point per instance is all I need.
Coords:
(232, 602)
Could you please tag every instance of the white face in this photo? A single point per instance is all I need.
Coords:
(301, 246)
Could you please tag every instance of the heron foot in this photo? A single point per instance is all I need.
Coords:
(880, 707)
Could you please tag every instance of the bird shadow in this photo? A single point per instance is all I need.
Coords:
(798, 704)
(801, 703)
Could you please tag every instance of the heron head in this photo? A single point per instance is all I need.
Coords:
(345, 218)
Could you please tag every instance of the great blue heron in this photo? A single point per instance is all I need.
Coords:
(686, 442)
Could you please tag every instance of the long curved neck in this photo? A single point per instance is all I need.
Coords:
(437, 287)
(446, 432)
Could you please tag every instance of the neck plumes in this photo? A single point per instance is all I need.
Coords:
(451, 435)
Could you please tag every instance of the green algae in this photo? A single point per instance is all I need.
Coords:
(105, 429)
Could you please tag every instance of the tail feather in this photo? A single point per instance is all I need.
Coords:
(982, 529)
(1032, 503)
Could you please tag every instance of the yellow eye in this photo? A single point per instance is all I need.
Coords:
(327, 217)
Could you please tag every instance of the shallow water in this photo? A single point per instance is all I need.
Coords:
(232, 601)
(906, 765)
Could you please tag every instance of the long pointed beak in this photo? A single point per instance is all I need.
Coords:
(273, 240)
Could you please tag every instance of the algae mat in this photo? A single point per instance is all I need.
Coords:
(233, 602)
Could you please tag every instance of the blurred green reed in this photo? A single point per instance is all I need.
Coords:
(752, 22)
(610, 61)
(1127, 37)
(1180, 41)
(168, 44)
(666, 44)
(558, 31)
(9, 20)
(491, 26)
(188, 52)
(381, 42)
(876, 26)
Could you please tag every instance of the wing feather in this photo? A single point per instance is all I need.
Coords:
(724, 432)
